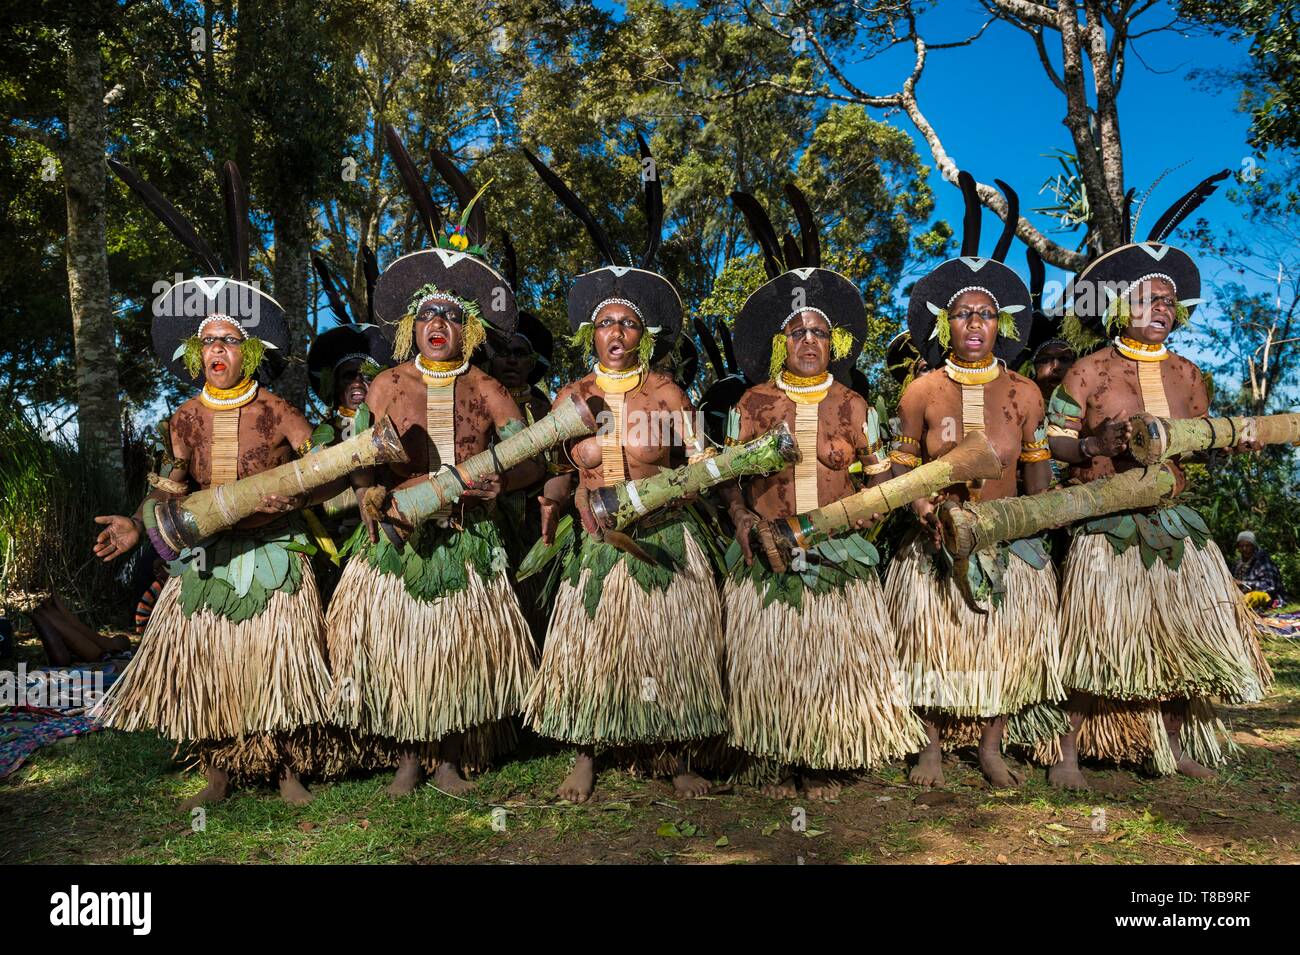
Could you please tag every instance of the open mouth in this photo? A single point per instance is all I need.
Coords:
(218, 366)
(974, 341)
(356, 393)
(437, 341)
(1160, 324)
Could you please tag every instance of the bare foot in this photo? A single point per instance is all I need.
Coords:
(996, 771)
(928, 770)
(292, 790)
(821, 786)
(1062, 776)
(216, 790)
(1190, 767)
(407, 777)
(577, 786)
(689, 785)
(785, 789)
(447, 778)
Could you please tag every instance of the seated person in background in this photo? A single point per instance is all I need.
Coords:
(1257, 575)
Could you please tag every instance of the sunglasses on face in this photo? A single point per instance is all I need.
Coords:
(451, 313)
(1151, 301)
(627, 324)
(799, 334)
(970, 314)
(232, 340)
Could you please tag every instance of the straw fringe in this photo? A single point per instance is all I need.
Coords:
(817, 686)
(963, 664)
(1132, 633)
(647, 668)
(418, 670)
(205, 678)
(1133, 732)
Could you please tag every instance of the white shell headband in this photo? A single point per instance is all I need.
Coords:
(807, 308)
(652, 329)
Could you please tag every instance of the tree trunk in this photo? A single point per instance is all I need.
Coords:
(289, 284)
(99, 408)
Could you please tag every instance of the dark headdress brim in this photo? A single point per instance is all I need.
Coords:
(463, 275)
(654, 295)
(180, 310)
(944, 282)
(1117, 270)
(332, 345)
(766, 311)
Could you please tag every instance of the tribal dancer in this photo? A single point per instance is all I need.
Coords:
(811, 666)
(968, 670)
(633, 653)
(426, 639)
(1152, 624)
(232, 659)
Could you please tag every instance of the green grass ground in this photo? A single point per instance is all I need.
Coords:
(113, 797)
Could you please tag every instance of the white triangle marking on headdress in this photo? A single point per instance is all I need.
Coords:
(1155, 249)
(974, 262)
(804, 273)
(210, 286)
(450, 256)
(619, 270)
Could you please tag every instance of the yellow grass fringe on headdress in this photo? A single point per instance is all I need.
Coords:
(646, 669)
(203, 678)
(416, 670)
(962, 664)
(816, 686)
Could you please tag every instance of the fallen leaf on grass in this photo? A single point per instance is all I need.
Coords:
(363, 823)
(614, 806)
(306, 826)
(770, 829)
(1002, 860)
(722, 842)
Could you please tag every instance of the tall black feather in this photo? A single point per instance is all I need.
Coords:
(654, 205)
(812, 245)
(793, 256)
(1037, 277)
(331, 290)
(760, 227)
(728, 348)
(576, 206)
(232, 188)
(370, 266)
(464, 189)
(414, 184)
(1009, 226)
(166, 213)
(1126, 222)
(510, 261)
(710, 346)
(970, 223)
(1185, 206)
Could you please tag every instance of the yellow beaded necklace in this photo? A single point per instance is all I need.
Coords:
(223, 399)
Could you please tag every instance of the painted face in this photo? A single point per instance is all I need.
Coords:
(807, 345)
(973, 319)
(618, 333)
(1151, 311)
(439, 330)
(1051, 366)
(512, 364)
(350, 386)
(222, 360)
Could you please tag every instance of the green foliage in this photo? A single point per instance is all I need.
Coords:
(823, 568)
(433, 562)
(1160, 535)
(50, 493)
(238, 572)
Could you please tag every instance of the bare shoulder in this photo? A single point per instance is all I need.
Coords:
(484, 383)
(1184, 366)
(759, 395)
(846, 396)
(665, 388)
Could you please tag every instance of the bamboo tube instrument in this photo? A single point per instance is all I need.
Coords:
(184, 522)
(968, 528)
(974, 459)
(1156, 439)
(570, 419)
(616, 507)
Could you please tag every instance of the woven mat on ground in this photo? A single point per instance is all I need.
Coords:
(1280, 624)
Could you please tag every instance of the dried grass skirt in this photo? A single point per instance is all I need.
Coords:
(1155, 634)
(969, 666)
(816, 686)
(647, 668)
(414, 671)
(250, 696)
